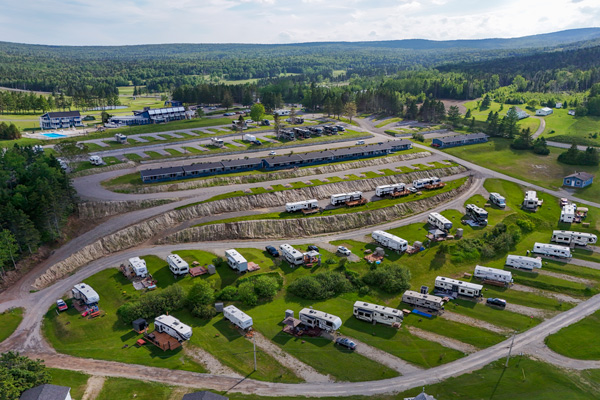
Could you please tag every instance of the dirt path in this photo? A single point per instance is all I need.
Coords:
(443, 340)
(213, 365)
(463, 319)
(530, 311)
(304, 371)
(567, 277)
(558, 296)
(93, 388)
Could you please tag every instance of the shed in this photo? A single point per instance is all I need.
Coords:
(47, 392)
(578, 180)
(544, 111)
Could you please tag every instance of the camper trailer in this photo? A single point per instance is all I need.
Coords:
(217, 142)
(493, 274)
(236, 261)
(177, 265)
(567, 214)
(138, 266)
(578, 238)
(173, 327)
(498, 200)
(342, 198)
(449, 285)
(237, 317)
(249, 138)
(96, 160)
(282, 113)
(302, 205)
(522, 262)
(440, 222)
(120, 138)
(552, 250)
(478, 214)
(319, 319)
(291, 255)
(424, 300)
(384, 190)
(531, 202)
(377, 314)
(390, 241)
(85, 293)
(421, 183)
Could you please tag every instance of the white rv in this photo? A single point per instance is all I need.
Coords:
(439, 221)
(319, 319)
(96, 160)
(522, 262)
(374, 313)
(384, 190)
(342, 198)
(177, 265)
(493, 274)
(282, 113)
(291, 255)
(138, 266)
(236, 260)
(458, 287)
(421, 183)
(217, 142)
(531, 202)
(390, 241)
(302, 205)
(497, 199)
(173, 327)
(120, 138)
(428, 301)
(85, 293)
(552, 250)
(249, 138)
(237, 317)
(478, 214)
(579, 238)
(567, 214)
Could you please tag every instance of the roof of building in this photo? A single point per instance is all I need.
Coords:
(546, 109)
(63, 114)
(283, 159)
(460, 138)
(317, 155)
(202, 166)
(580, 175)
(241, 161)
(204, 395)
(46, 392)
(160, 171)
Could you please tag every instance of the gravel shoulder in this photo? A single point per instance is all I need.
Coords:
(463, 319)
(213, 365)
(443, 340)
(558, 296)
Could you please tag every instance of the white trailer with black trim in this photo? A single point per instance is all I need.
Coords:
(578, 238)
(319, 319)
(236, 261)
(291, 255)
(424, 300)
(497, 199)
(343, 198)
(138, 266)
(421, 183)
(390, 241)
(384, 190)
(375, 313)
(531, 201)
(450, 285)
(523, 262)
(237, 317)
(567, 214)
(552, 250)
(302, 205)
(493, 274)
(173, 327)
(85, 293)
(177, 265)
(438, 221)
(477, 213)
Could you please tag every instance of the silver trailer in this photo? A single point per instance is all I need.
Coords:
(319, 319)
(390, 241)
(375, 313)
(342, 198)
(302, 205)
(578, 238)
(384, 190)
(523, 262)
(459, 287)
(428, 301)
(493, 274)
(552, 250)
(439, 221)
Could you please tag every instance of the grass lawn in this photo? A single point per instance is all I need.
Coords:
(77, 381)
(503, 318)
(578, 340)
(562, 127)
(388, 121)
(122, 388)
(134, 157)
(9, 321)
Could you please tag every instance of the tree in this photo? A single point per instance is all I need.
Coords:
(486, 102)
(201, 293)
(104, 116)
(468, 114)
(453, 115)
(8, 249)
(524, 141)
(277, 125)
(70, 149)
(391, 279)
(509, 123)
(227, 100)
(257, 111)
(246, 294)
(520, 83)
(540, 147)
(19, 373)
(265, 287)
(350, 110)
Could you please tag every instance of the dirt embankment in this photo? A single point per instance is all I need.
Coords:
(101, 209)
(108, 168)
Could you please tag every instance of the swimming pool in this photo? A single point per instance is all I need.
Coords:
(53, 135)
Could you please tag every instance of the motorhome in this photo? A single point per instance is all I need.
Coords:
(177, 265)
(384, 190)
(282, 113)
(375, 313)
(421, 183)
(552, 250)
(478, 214)
(450, 285)
(120, 138)
(498, 200)
(567, 214)
(437, 220)
(390, 241)
(217, 142)
(291, 255)
(319, 319)
(85, 293)
(236, 261)
(237, 317)
(249, 138)
(138, 266)
(424, 300)
(173, 327)
(342, 198)
(493, 274)
(531, 201)
(302, 205)
(578, 238)
(523, 262)
(96, 160)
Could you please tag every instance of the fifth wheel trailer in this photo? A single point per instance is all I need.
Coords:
(237, 317)
(302, 205)
(423, 300)
(319, 319)
(236, 261)
(291, 255)
(523, 262)
(342, 198)
(173, 327)
(552, 250)
(439, 221)
(450, 285)
(493, 274)
(177, 265)
(85, 293)
(390, 241)
(383, 190)
(579, 238)
(375, 313)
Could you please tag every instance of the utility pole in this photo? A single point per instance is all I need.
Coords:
(254, 342)
(510, 349)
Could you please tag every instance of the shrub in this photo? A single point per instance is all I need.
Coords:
(391, 279)
(246, 294)
(265, 287)
(204, 311)
(320, 286)
(228, 293)
(200, 294)
(153, 304)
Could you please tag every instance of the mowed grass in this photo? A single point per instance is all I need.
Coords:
(579, 340)
(122, 388)
(562, 127)
(77, 381)
(498, 317)
(9, 321)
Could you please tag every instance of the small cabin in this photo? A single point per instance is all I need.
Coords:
(578, 180)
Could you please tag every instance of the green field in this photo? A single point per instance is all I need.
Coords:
(121, 388)
(562, 127)
(77, 381)
(578, 340)
(9, 321)
(481, 115)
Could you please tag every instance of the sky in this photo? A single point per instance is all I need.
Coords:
(120, 22)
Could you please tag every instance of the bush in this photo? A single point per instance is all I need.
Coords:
(200, 294)
(228, 293)
(320, 286)
(265, 287)
(246, 294)
(153, 304)
(204, 311)
(391, 279)
(418, 137)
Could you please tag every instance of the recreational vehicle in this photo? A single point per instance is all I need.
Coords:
(421, 183)
(120, 138)
(578, 238)
(282, 113)
(302, 205)
(498, 200)
(249, 138)
(342, 198)
(374, 313)
(531, 202)
(424, 300)
(138, 266)
(217, 142)
(437, 220)
(450, 285)
(85, 293)
(291, 255)
(96, 160)
(236, 261)
(567, 214)
(522, 262)
(390, 241)
(552, 250)
(237, 317)
(319, 319)
(173, 327)
(493, 274)
(177, 265)
(384, 190)
(478, 214)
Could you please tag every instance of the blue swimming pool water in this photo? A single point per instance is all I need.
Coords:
(53, 135)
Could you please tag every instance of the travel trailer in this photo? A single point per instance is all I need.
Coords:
(302, 205)
(291, 255)
(173, 327)
(424, 300)
(237, 317)
(450, 285)
(493, 274)
(421, 183)
(552, 250)
(319, 319)
(342, 198)
(567, 214)
(531, 202)
(96, 160)
(522, 262)
(384, 190)
(177, 265)
(390, 241)
(375, 313)
(437, 220)
(138, 266)
(85, 293)
(578, 238)
(236, 261)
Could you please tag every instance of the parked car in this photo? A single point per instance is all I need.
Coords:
(272, 152)
(249, 121)
(272, 251)
(266, 122)
(343, 251)
(62, 306)
(228, 114)
(345, 342)
(340, 128)
(313, 248)
(412, 189)
(360, 142)
(494, 301)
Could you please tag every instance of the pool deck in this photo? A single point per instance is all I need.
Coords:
(65, 133)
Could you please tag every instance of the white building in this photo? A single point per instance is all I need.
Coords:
(173, 327)
(237, 317)
(177, 265)
(438, 221)
(579, 238)
(138, 266)
(291, 255)
(319, 319)
(236, 261)
(375, 313)
(567, 214)
(520, 113)
(85, 293)
(558, 105)
(522, 262)
(390, 241)
(47, 392)
(459, 287)
(552, 250)
(493, 274)
(544, 111)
